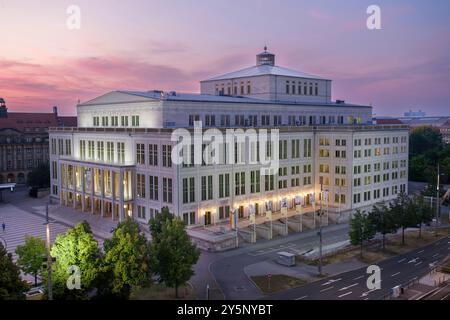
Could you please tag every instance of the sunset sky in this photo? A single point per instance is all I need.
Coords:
(173, 44)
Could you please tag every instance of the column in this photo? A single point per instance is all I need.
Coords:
(83, 190)
(92, 189)
(74, 182)
(102, 192)
(112, 194)
(121, 200)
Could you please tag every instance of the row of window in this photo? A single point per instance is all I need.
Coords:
(61, 147)
(150, 189)
(379, 193)
(244, 88)
(113, 121)
(300, 88)
(253, 120)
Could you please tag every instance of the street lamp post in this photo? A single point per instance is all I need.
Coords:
(320, 228)
(49, 258)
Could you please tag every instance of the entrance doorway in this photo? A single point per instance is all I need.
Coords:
(208, 218)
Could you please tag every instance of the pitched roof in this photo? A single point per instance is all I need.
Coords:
(265, 70)
(23, 121)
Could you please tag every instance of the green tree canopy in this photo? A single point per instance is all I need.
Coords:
(361, 229)
(76, 248)
(31, 256)
(383, 220)
(126, 260)
(156, 224)
(11, 285)
(174, 255)
(403, 210)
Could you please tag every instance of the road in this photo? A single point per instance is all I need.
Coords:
(352, 285)
(228, 267)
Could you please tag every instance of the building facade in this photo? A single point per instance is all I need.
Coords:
(118, 161)
(24, 142)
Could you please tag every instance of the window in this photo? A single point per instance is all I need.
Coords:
(207, 188)
(115, 121)
(121, 152)
(82, 149)
(269, 182)
(188, 190)
(68, 147)
(110, 151)
(224, 212)
(265, 120)
(54, 170)
(153, 154)
(153, 190)
(53, 147)
(135, 121)
(255, 185)
(140, 153)
(189, 218)
(307, 168)
(224, 185)
(193, 118)
(100, 150)
(140, 185)
(91, 153)
(307, 148)
(239, 181)
(124, 121)
(282, 150)
(96, 121)
(167, 156)
(105, 121)
(141, 212)
(167, 190)
(60, 147)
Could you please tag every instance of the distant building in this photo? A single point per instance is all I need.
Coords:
(419, 113)
(441, 123)
(24, 141)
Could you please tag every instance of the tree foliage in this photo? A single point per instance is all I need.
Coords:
(173, 254)
(383, 221)
(11, 285)
(126, 261)
(361, 229)
(31, 256)
(156, 224)
(40, 176)
(76, 248)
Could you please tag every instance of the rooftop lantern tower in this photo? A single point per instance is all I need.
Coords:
(265, 58)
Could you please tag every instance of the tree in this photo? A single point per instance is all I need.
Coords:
(76, 248)
(173, 255)
(126, 260)
(403, 210)
(424, 139)
(155, 224)
(361, 229)
(383, 220)
(40, 176)
(423, 212)
(11, 285)
(31, 256)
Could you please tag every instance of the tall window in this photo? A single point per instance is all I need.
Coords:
(82, 149)
(255, 185)
(100, 150)
(167, 156)
(295, 148)
(140, 153)
(224, 185)
(269, 182)
(110, 151)
(153, 190)
(153, 154)
(239, 180)
(140, 185)
(68, 147)
(167, 190)
(124, 121)
(114, 121)
(121, 152)
(207, 188)
(188, 190)
(307, 148)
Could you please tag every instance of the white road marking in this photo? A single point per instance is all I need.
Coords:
(435, 255)
(421, 251)
(345, 294)
(413, 260)
(331, 281)
(357, 278)
(395, 274)
(400, 261)
(329, 288)
(365, 294)
(301, 298)
(345, 288)
(418, 263)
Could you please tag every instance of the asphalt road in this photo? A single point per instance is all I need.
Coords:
(351, 285)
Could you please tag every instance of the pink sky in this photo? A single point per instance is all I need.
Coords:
(172, 45)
